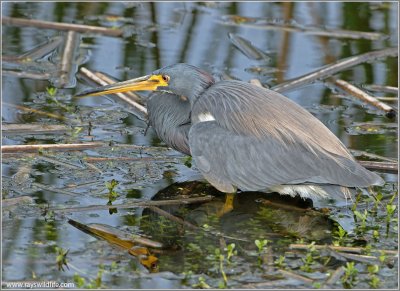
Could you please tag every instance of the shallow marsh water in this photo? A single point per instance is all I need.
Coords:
(159, 34)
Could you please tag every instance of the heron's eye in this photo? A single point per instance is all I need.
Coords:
(165, 78)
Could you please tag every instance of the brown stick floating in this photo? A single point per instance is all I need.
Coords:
(356, 257)
(336, 67)
(296, 276)
(360, 94)
(143, 159)
(334, 277)
(36, 147)
(37, 52)
(72, 42)
(380, 166)
(17, 128)
(315, 31)
(55, 190)
(355, 250)
(27, 109)
(372, 156)
(382, 88)
(60, 26)
(27, 75)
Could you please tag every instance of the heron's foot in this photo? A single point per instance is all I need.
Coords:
(228, 205)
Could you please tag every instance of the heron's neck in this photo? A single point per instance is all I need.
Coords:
(204, 81)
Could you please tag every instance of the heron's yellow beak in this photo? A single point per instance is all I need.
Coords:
(146, 83)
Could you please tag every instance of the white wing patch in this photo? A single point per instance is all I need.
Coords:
(206, 116)
(305, 191)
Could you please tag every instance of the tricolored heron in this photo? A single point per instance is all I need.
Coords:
(246, 137)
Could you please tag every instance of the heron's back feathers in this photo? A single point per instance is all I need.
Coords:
(257, 139)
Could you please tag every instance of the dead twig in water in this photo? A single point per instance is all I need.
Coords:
(229, 20)
(144, 159)
(381, 88)
(191, 226)
(55, 190)
(60, 163)
(336, 67)
(8, 202)
(360, 94)
(380, 166)
(27, 109)
(296, 276)
(372, 156)
(16, 128)
(26, 75)
(140, 112)
(72, 41)
(36, 53)
(60, 26)
(355, 257)
(93, 167)
(355, 250)
(38, 147)
(173, 218)
(88, 184)
(389, 99)
(136, 204)
(334, 277)
(262, 285)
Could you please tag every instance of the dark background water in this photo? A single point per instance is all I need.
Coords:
(156, 35)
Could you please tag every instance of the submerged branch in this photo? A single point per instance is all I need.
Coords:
(136, 204)
(288, 207)
(336, 67)
(36, 111)
(60, 26)
(191, 226)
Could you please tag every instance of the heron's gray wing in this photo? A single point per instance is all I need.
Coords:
(259, 139)
(230, 161)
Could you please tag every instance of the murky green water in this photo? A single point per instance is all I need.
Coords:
(199, 254)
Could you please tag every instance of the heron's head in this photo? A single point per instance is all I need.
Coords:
(181, 79)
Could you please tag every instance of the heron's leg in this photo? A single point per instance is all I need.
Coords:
(228, 205)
